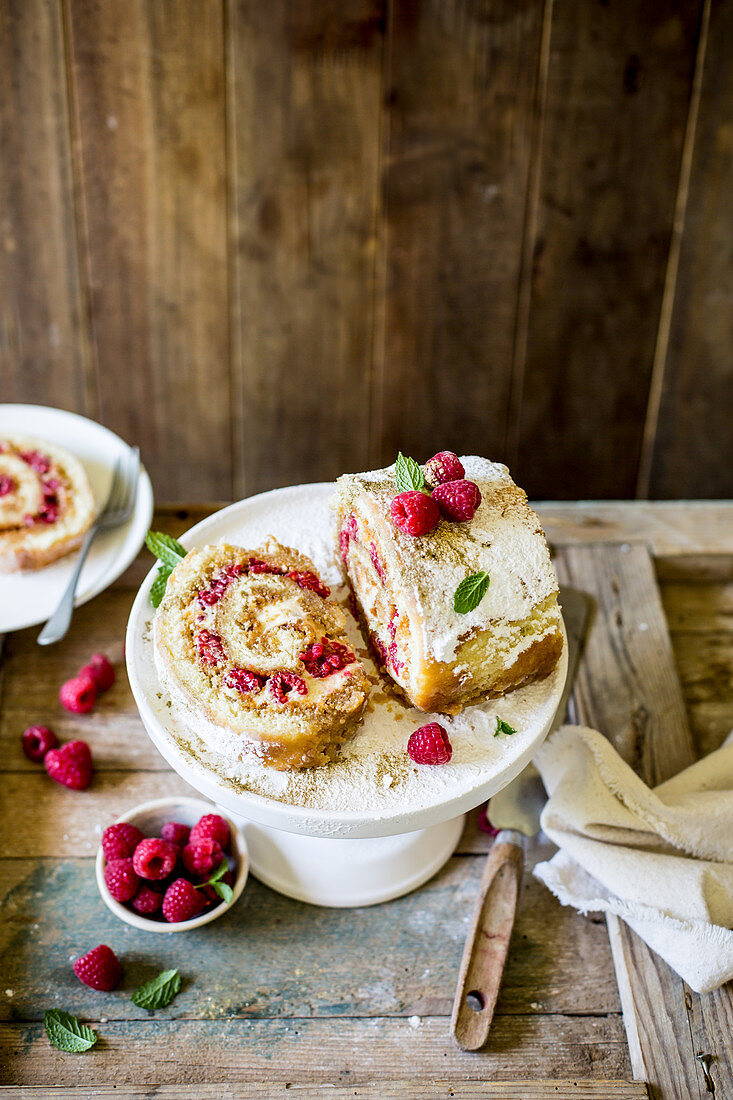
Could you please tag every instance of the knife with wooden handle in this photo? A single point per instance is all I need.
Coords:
(516, 812)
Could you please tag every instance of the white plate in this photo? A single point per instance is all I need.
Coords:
(30, 598)
(469, 779)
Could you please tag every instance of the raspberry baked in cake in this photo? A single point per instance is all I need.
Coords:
(452, 578)
(46, 503)
(250, 642)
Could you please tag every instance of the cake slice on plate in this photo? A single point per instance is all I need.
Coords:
(504, 628)
(248, 641)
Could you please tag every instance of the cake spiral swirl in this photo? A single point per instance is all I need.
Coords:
(46, 503)
(249, 640)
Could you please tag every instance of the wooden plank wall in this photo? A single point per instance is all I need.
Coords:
(271, 242)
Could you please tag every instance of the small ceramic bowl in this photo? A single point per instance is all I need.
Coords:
(150, 817)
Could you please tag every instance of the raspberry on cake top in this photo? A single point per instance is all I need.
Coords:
(405, 584)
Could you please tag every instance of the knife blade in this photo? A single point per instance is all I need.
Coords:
(516, 812)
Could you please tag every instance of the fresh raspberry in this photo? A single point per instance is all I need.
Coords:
(209, 647)
(257, 565)
(484, 823)
(311, 581)
(414, 513)
(70, 765)
(147, 901)
(282, 683)
(99, 968)
(173, 832)
(203, 857)
(101, 671)
(429, 745)
(457, 500)
(37, 740)
(243, 680)
(79, 694)
(326, 657)
(120, 879)
(182, 901)
(7, 485)
(445, 466)
(120, 841)
(154, 858)
(211, 827)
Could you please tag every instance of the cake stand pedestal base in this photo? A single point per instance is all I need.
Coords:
(343, 874)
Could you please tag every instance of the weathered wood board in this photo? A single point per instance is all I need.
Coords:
(627, 687)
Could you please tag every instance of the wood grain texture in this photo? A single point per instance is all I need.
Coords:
(43, 347)
(147, 80)
(381, 1090)
(334, 1052)
(694, 444)
(399, 959)
(643, 715)
(460, 92)
(617, 98)
(304, 118)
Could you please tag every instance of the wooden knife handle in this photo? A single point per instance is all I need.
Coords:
(487, 945)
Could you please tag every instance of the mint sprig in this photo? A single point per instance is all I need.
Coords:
(169, 553)
(158, 992)
(66, 1032)
(408, 474)
(470, 592)
(503, 727)
(222, 889)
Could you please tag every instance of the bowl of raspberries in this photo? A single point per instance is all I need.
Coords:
(171, 865)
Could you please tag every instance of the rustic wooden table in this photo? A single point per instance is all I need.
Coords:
(279, 996)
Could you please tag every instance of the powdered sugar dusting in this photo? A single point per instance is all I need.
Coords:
(374, 775)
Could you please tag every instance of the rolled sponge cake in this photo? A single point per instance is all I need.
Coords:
(405, 587)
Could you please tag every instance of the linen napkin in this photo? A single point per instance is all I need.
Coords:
(661, 859)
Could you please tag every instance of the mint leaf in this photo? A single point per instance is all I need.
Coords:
(470, 592)
(166, 548)
(223, 890)
(159, 992)
(503, 727)
(219, 872)
(408, 474)
(157, 588)
(66, 1032)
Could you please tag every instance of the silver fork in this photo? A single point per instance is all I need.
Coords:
(117, 509)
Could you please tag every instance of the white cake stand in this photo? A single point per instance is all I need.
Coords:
(322, 856)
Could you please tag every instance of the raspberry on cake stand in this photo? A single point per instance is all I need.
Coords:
(330, 844)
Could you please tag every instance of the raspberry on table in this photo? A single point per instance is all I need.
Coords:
(70, 765)
(429, 744)
(79, 694)
(182, 901)
(37, 740)
(154, 858)
(147, 901)
(414, 513)
(457, 500)
(121, 879)
(211, 827)
(445, 466)
(174, 832)
(101, 670)
(120, 840)
(99, 968)
(203, 857)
